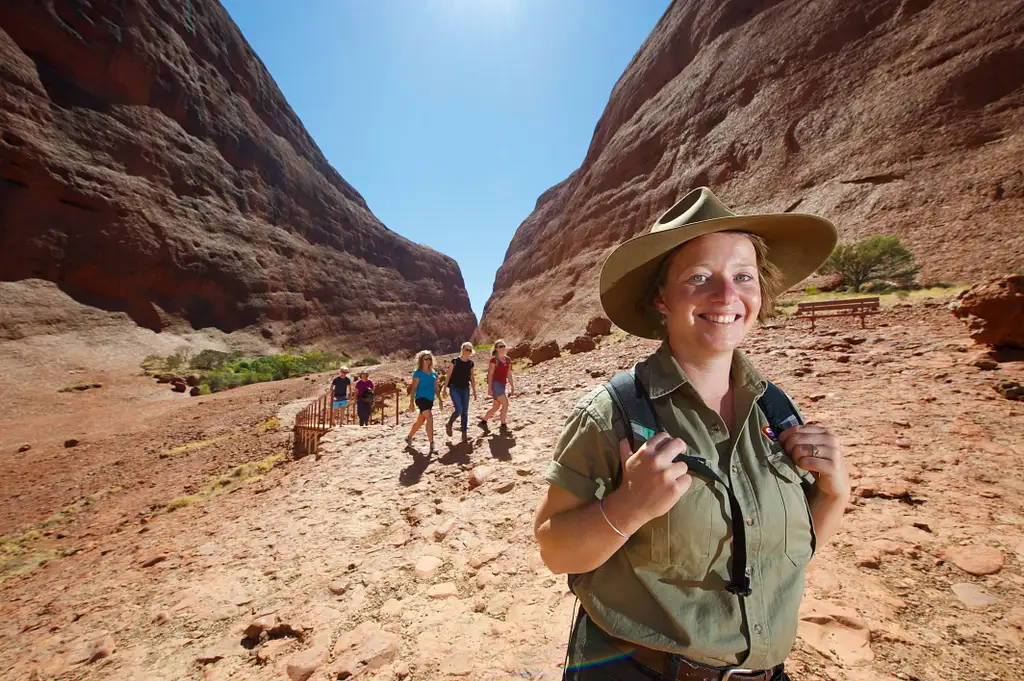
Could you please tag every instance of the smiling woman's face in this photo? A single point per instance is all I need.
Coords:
(711, 295)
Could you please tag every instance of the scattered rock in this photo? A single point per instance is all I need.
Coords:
(868, 558)
(818, 397)
(444, 590)
(161, 617)
(480, 475)
(427, 566)
(504, 487)
(442, 530)
(338, 587)
(165, 378)
(973, 596)
(994, 311)
(365, 648)
(179, 387)
(985, 362)
(886, 489)
(545, 352)
(1011, 390)
(194, 392)
(193, 380)
(72, 442)
(265, 623)
(150, 562)
(304, 663)
(975, 560)
(93, 650)
(581, 344)
(24, 448)
(521, 351)
(486, 555)
(599, 326)
(835, 632)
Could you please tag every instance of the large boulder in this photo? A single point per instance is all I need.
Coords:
(825, 119)
(149, 164)
(545, 352)
(994, 312)
(520, 351)
(580, 344)
(599, 326)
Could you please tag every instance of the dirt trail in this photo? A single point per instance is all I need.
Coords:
(388, 559)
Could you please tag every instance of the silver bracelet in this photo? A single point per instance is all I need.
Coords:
(617, 530)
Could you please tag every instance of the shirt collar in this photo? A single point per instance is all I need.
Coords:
(661, 373)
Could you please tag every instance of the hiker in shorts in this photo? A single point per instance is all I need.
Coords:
(685, 498)
(499, 374)
(364, 398)
(461, 379)
(340, 386)
(421, 396)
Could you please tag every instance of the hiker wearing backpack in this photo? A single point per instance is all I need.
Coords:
(364, 398)
(459, 381)
(686, 499)
(421, 396)
(499, 375)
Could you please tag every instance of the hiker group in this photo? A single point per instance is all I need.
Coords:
(458, 382)
(429, 385)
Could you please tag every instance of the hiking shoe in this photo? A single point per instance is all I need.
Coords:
(483, 424)
(504, 428)
(465, 436)
(448, 428)
(433, 449)
(408, 441)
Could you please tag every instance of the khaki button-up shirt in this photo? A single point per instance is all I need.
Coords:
(666, 587)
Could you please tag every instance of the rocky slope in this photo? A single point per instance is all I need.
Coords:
(149, 164)
(377, 562)
(888, 116)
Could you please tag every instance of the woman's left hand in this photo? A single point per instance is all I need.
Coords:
(816, 448)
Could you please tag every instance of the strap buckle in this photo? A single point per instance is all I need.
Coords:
(729, 673)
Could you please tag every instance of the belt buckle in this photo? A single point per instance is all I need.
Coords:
(728, 673)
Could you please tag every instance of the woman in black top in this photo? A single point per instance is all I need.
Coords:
(459, 382)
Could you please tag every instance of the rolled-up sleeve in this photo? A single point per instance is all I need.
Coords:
(586, 459)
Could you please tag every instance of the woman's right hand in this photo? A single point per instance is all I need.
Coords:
(652, 482)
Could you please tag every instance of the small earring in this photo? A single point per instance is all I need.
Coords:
(664, 320)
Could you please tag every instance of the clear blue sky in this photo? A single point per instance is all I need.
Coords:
(449, 116)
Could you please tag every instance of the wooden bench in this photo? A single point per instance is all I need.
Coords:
(851, 307)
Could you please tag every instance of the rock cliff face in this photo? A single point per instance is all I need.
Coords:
(149, 164)
(888, 116)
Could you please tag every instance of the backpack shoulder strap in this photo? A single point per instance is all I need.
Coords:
(631, 400)
(778, 409)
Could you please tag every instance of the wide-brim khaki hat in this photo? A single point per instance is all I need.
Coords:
(798, 244)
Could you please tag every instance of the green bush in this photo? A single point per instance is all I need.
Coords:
(209, 360)
(366, 362)
(876, 258)
(238, 372)
(811, 290)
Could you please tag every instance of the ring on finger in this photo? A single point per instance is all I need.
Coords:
(814, 450)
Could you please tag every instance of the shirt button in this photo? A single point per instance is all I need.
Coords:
(750, 521)
(757, 628)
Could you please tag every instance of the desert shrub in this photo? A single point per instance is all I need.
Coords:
(366, 362)
(208, 360)
(811, 290)
(876, 258)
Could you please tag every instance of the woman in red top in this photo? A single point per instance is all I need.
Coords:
(364, 398)
(499, 373)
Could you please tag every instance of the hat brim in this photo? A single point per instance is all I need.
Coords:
(798, 244)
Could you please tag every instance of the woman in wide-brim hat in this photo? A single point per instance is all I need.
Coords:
(693, 572)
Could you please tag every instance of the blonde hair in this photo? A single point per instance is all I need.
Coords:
(467, 346)
(494, 349)
(421, 357)
(343, 369)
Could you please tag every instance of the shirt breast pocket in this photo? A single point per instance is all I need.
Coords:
(799, 537)
(688, 536)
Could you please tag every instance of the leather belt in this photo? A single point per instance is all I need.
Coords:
(658, 661)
